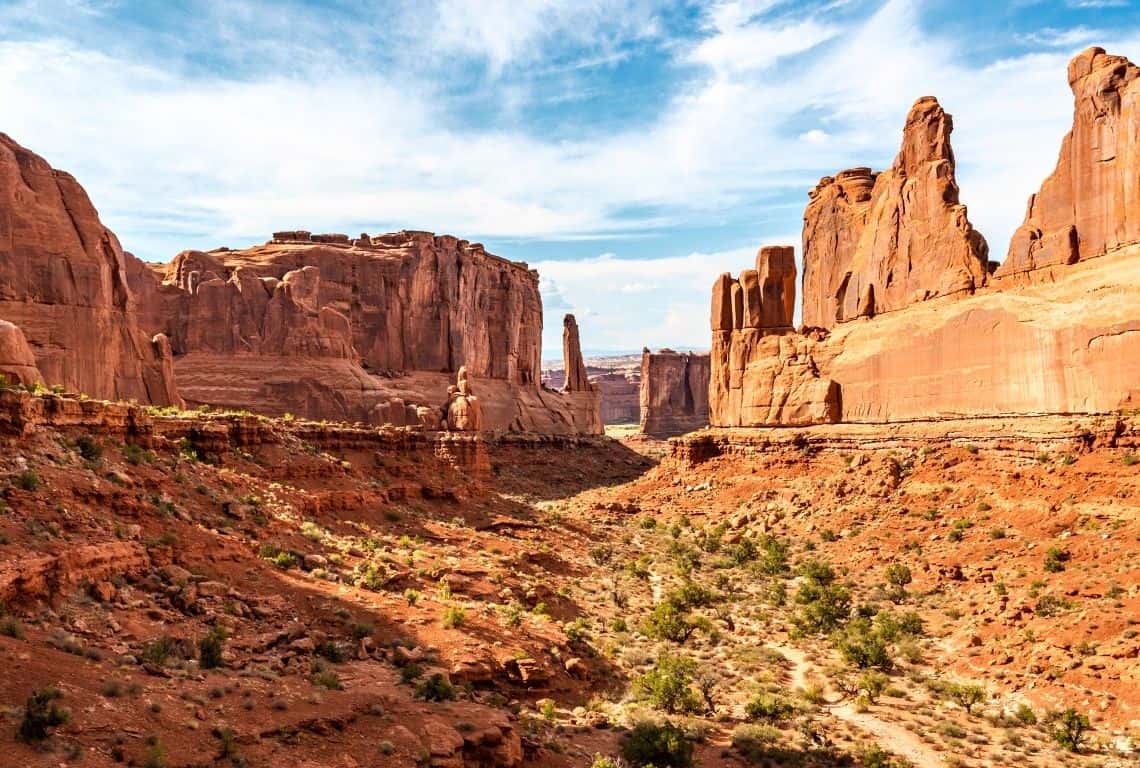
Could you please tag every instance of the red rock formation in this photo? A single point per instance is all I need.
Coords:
(619, 396)
(1090, 204)
(875, 243)
(17, 362)
(63, 281)
(674, 392)
(370, 329)
(576, 379)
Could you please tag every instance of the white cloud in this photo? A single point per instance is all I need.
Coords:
(315, 139)
(672, 311)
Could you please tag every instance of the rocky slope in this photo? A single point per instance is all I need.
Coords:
(1090, 204)
(878, 242)
(63, 282)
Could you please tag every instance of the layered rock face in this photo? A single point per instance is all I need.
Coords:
(1090, 204)
(366, 329)
(878, 242)
(63, 282)
(674, 392)
(761, 372)
(619, 396)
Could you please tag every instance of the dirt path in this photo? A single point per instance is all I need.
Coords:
(889, 736)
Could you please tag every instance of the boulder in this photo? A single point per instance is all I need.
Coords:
(17, 361)
(1090, 204)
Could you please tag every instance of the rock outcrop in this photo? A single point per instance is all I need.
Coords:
(464, 413)
(368, 329)
(63, 281)
(674, 392)
(761, 372)
(619, 397)
(17, 362)
(576, 378)
(878, 242)
(1090, 204)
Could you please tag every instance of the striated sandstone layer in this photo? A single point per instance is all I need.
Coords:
(63, 282)
(370, 329)
(1090, 204)
(674, 392)
(878, 242)
(1071, 346)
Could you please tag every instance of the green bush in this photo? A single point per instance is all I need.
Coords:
(28, 480)
(898, 577)
(821, 604)
(435, 688)
(967, 696)
(454, 616)
(668, 621)
(41, 715)
(864, 646)
(89, 448)
(1055, 560)
(768, 707)
(210, 648)
(668, 685)
(1069, 729)
(659, 746)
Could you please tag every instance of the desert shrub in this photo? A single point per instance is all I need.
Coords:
(864, 645)
(898, 577)
(320, 675)
(159, 650)
(872, 684)
(28, 480)
(89, 448)
(210, 648)
(668, 685)
(660, 746)
(767, 706)
(454, 616)
(875, 756)
(1055, 559)
(9, 627)
(1025, 714)
(1051, 605)
(600, 761)
(155, 755)
(670, 621)
(333, 651)
(435, 688)
(1069, 728)
(136, 455)
(285, 560)
(966, 695)
(821, 604)
(41, 714)
(410, 672)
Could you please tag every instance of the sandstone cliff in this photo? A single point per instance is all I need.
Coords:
(761, 371)
(63, 282)
(1090, 204)
(877, 242)
(368, 329)
(674, 392)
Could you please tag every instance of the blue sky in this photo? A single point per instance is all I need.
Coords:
(629, 150)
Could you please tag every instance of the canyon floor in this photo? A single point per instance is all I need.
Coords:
(196, 589)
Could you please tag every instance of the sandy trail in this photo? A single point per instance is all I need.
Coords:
(889, 736)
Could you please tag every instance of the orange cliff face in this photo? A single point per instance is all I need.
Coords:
(1090, 204)
(878, 242)
(930, 340)
(370, 329)
(63, 284)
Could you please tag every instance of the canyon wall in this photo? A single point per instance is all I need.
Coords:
(1090, 204)
(369, 329)
(620, 397)
(63, 283)
(674, 392)
(1056, 330)
(878, 242)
